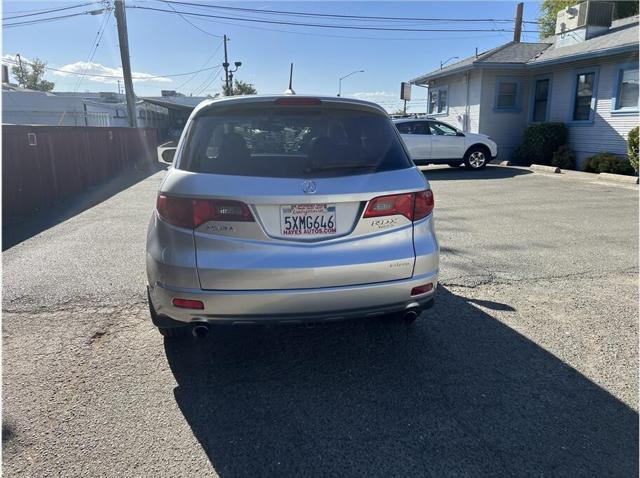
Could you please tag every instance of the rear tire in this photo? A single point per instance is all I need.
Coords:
(476, 158)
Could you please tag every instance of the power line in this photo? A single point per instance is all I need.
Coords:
(94, 46)
(203, 65)
(51, 19)
(203, 86)
(150, 77)
(348, 37)
(27, 11)
(320, 25)
(193, 24)
(338, 16)
(49, 11)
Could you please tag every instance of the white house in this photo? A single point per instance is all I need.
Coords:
(585, 76)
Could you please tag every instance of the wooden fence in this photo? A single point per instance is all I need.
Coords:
(42, 164)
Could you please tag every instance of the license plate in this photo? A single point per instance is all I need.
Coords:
(308, 220)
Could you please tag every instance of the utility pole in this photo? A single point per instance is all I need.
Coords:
(226, 66)
(517, 31)
(123, 39)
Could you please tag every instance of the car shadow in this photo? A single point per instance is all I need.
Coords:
(458, 393)
(446, 173)
(16, 231)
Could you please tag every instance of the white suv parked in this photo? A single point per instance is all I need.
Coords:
(433, 142)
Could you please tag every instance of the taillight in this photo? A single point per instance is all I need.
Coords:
(191, 213)
(413, 206)
(424, 204)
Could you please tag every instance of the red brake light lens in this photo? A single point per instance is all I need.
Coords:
(424, 204)
(298, 101)
(191, 213)
(413, 206)
(176, 211)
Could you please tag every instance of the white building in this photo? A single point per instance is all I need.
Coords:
(23, 106)
(586, 76)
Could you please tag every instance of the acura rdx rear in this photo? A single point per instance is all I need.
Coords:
(290, 209)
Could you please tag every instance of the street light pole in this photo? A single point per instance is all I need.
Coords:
(442, 63)
(346, 76)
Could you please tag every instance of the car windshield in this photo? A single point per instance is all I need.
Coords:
(277, 142)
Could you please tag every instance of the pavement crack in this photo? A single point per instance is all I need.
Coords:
(494, 280)
(97, 336)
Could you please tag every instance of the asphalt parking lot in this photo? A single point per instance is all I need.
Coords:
(526, 365)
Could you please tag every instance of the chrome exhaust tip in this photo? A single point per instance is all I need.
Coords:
(200, 331)
(410, 315)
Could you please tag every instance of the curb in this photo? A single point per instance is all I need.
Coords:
(619, 178)
(544, 169)
(505, 163)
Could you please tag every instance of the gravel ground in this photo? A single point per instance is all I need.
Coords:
(527, 364)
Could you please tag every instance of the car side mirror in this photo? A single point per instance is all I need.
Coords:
(168, 154)
(166, 151)
(460, 133)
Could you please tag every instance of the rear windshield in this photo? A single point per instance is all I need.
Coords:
(285, 143)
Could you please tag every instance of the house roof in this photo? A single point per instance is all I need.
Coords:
(186, 103)
(622, 36)
(510, 53)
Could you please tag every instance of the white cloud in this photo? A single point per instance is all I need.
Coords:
(11, 60)
(109, 75)
(371, 95)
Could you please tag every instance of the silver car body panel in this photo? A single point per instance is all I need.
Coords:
(248, 269)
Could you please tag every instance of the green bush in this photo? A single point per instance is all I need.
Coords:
(608, 163)
(564, 158)
(539, 142)
(632, 147)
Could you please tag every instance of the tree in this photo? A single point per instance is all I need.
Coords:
(550, 8)
(239, 87)
(29, 75)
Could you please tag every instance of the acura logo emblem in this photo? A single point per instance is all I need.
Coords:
(309, 187)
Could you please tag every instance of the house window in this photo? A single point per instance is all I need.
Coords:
(541, 100)
(438, 100)
(627, 96)
(507, 95)
(584, 94)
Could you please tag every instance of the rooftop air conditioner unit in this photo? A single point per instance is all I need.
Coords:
(589, 13)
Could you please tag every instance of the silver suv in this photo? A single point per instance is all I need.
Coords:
(290, 209)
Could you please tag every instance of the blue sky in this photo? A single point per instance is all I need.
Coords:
(165, 44)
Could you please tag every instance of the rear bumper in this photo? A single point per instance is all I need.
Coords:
(292, 305)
